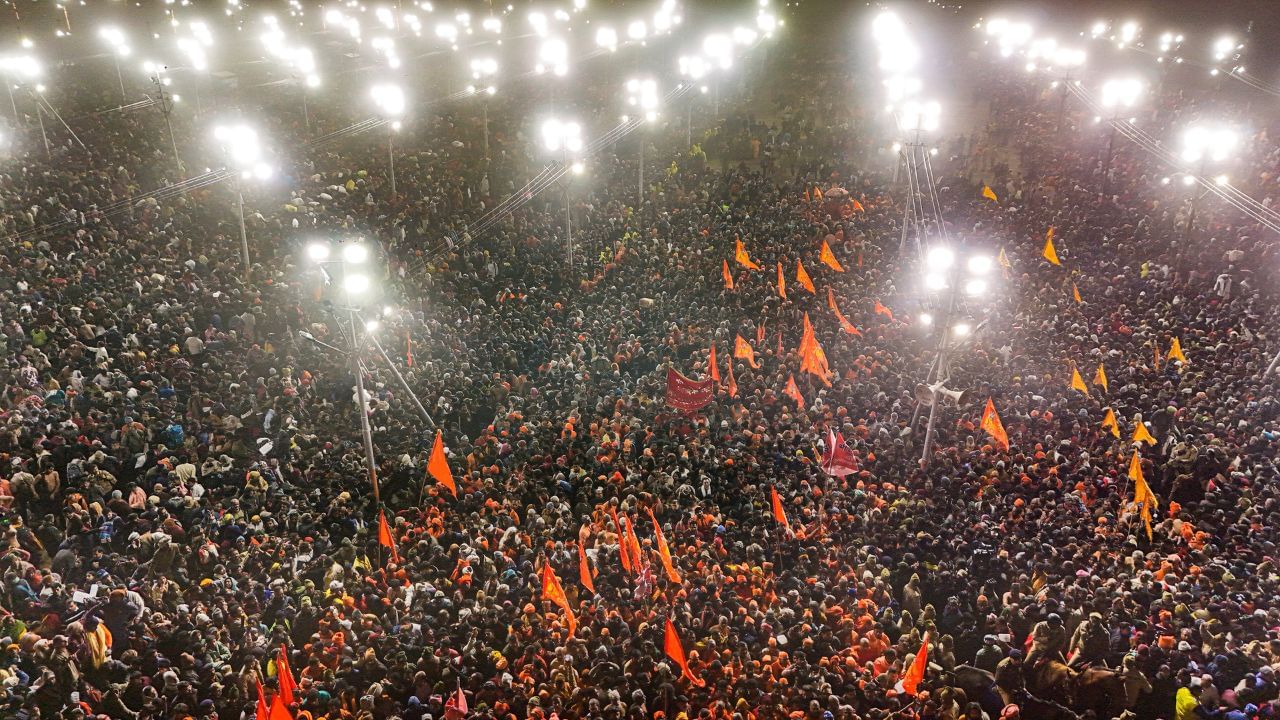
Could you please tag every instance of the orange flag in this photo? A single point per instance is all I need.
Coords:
(671, 645)
(1141, 434)
(1077, 382)
(742, 349)
(812, 359)
(1155, 345)
(742, 257)
(633, 547)
(760, 331)
(844, 323)
(278, 709)
(664, 552)
(1143, 499)
(623, 555)
(793, 392)
(802, 277)
(1109, 423)
(262, 712)
(857, 206)
(384, 537)
(585, 576)
(782, 283)
(1050, 253)
(552, 591)
(438, 466)
(915, 674)
(733, 384)
(882, 310)
(715, 366)
(284, 677)
(989, 194)
(779, 512)
(1075, 293)
(728, 276)
(828, 258)
(1100, 378)
(991, 423)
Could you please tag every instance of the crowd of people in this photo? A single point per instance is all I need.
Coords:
(187, 509)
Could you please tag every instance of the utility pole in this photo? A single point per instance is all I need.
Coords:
(163, 99)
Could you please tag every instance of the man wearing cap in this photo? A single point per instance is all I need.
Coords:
(1048, 641)
(1009, 680)
(1091, 642)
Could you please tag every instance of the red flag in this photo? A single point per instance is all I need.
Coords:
(884, 311)
(263, 712)
(633, 546)
(728, 276)
(782, 283)
(802, 277)
(829, 258)
(584, 570)
(456, 707)
(733, 384)
(793, 392)
(991, 423)
(284, 677)
(278, 710)
(688, 395)
(742, 349)
(664, 552)
(438, 465)
(675, 651)
(715, 367)
(384, 537)
(915, 674)
(552, 591)
(622, 542)
(779, 513)
(837, 459)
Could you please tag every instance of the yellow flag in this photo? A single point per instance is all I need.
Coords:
(1050, 253)
(1004, 261)
(1075, 293)
(1109, 423)
(1175, 352)
(989, 194)
(1143, 499)
(1077, 382)
(1100, 378)
(1155, 347)
(1141, 434)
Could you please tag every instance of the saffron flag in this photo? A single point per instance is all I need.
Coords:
(1075, 293)
(1109, 423)
(782, 283)
(857, 206)
(279, 711)
(882, 310)
(845, 325)
(915, 674)
(715, 366)
(793, 392)
(585, 575)
(1155, 346)
(837, 459)
(408, 350)
(828, 258)
(817, 193)
(1050, 253)
(760, 331)
(1143, 499)
(688, 395)
(455, 708)
(779, 512)
(438, 466)
(623, 555)
(1175, 352)
(989, 194)
(728, 276)
(385, 539)
(802, 277)
(743, 258)
(262, 712)
(1100, 378)
(812, 359)
(638, 560)
(733, 384)
(284, 677)
(991, 423)
(1004, 261)
(1141, 434)
(664, 552)
(742, 349)
(552, 591)
(671, 645)
(1077, 382)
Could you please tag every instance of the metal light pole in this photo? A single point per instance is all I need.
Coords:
(565, 138)
(244, 234)
(1202, 144)
(164, 100)
(389, 100)
(244, 155)
(391, 156)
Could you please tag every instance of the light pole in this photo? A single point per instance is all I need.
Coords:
(482, 70)
(565, 138)
(163, 99)
(642, 94)
(16, 69)
(354, 285)
(915, 117)
(244, 152)
(193, 49)
(947, 281)
(389, 100)
(1119, 95)
(119, 44)
(693, 67)
(1202, 144)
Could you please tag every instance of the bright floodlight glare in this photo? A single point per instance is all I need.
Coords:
(935, 281)
(916, 115)
(242, 146)
(389, 99)
(1222, 180)
(1128, 32)
(926, 319)
(553, 54)
(20, 66)
(979, 264)
(194, 51)
(960, 329)
(355, 253)
(719, 48)
(483, 67)
(1121, 92)
(115, 37)
(1223, 46)
(939, 258)
(318, 251)
(371, 325)
(693, 66)
(642, 93)
(1188, 180)
(637, 30)
(356, 284)
(1099, 29)
(577, 168)
(1208, 143)
(975, 287)
(607, 38)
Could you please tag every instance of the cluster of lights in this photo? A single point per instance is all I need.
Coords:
(1203, 143)
(116, 39)
(481, 69)
(553, 56)
(386, 47)
(244, 150)
(390, 102)
(942, 269)
(1226, 54)
(296, 58)
(354, 283)
(1009, 36)
(559, 136)
(19, 67)
(333, 17)
(642, 94)
(1121, 93)
(1170, 43)
(898, 58)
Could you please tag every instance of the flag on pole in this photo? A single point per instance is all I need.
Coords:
(991, 423)
(1141, 434)
(1100, 378)
(882, 310)
(1050, 253)
(585, 575)
(638, 560)
(742, 349)
(675, 650)
(664, 552)
(552, 591)
(408, 350)
(743, 258)
(438, 466)
(279, 711)
(733, 384)
(1175, 352)
(915, 674)
(1077, 382)
(1003, 260)
(779, 513)
(455, 708)
(263, 711)
(857, 206)
(812, 359)
(1075, 292)
(793, 392)
(837, 459)
(715, 366)
(1143, 499)
(845, 325)
(1109, 423)
(728, 276)
(385, 539)
(828, 258)
(989, 194)
(802, 277)
(782, 283)
(284, 677)
(623, 555)
(1155, 345)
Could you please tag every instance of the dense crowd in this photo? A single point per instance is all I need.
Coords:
(187, 508)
